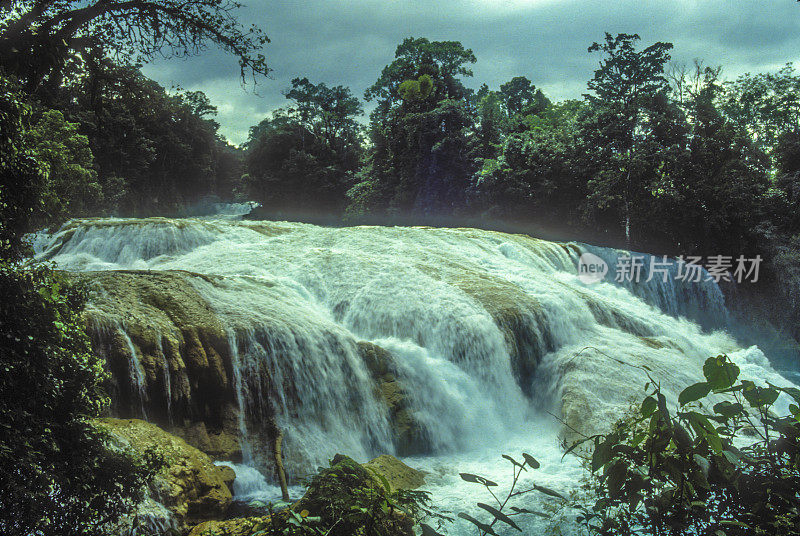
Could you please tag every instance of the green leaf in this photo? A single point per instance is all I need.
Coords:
(475, 479)
(602, 454)
(548, 491)
(483, 526)
(720, 372)
(526, 511)
(515, 462)
(735, 523)
(728, 409)
(759, 397)
(615, 478)
(531, 461)
(576, 445)
(649, 406)
(693, 393)
(499, 515)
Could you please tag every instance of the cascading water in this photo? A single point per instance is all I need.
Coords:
(136, 374)
(486, 335)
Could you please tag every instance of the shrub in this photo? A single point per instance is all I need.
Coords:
(57, 474)
(731, 470)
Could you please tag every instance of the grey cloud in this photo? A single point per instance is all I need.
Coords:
(348, 43)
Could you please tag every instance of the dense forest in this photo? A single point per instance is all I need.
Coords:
(657, 156)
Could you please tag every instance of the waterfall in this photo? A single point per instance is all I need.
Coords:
(241, 399)
(167, 378)
(136, 374)
(449, 345)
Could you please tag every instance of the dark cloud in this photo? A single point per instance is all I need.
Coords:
(349, 42)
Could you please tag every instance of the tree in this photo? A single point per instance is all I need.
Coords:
(59, 475)
(522, 98)
(625, 88)
(301, 161)
(767, 106)
(327, 112)
(725, 178)
(21, 179)
(420, 159)
(155, 151)
(71, 188)
(539, 175)
(37, 37)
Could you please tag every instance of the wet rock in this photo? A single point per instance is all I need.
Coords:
(190, 485)
(519, 316)
(228, 476)
(168, 355)
(243, 526)
(398, 474)
(408, 432)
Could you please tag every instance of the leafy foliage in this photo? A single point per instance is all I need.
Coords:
(694, 471)
(348, 500)
(37, 37)
(301, 161)
(155, 151)
(419, 130)
(59, 474)
(71, 188)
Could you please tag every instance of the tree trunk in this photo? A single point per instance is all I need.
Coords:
(279, 464)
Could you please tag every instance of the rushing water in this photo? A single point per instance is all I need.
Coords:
(295, 299)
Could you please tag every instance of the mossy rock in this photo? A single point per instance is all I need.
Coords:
(242, 526)
(520, 317)
(221, 444)
(190, 485)
(161, 322)
(397, 474)
(409, 438)
(334, 491)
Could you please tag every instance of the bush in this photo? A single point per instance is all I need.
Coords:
(729, 471)
(346, 499)
(59, 477)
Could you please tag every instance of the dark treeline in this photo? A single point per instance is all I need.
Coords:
(118, 143)
(655, 157)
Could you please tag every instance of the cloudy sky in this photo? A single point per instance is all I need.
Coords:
(349, 42)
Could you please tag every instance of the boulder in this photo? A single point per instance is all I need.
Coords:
(398, 474)
(168, 354)
(242, 526)
(190, 485)
(228, 475)
(221, 444)
(333, 493)
(331, 496)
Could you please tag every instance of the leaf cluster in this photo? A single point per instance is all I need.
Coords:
(722, 463)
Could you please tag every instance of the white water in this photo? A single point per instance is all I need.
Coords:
(251, 485)
(296, 298)
(136, 373)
